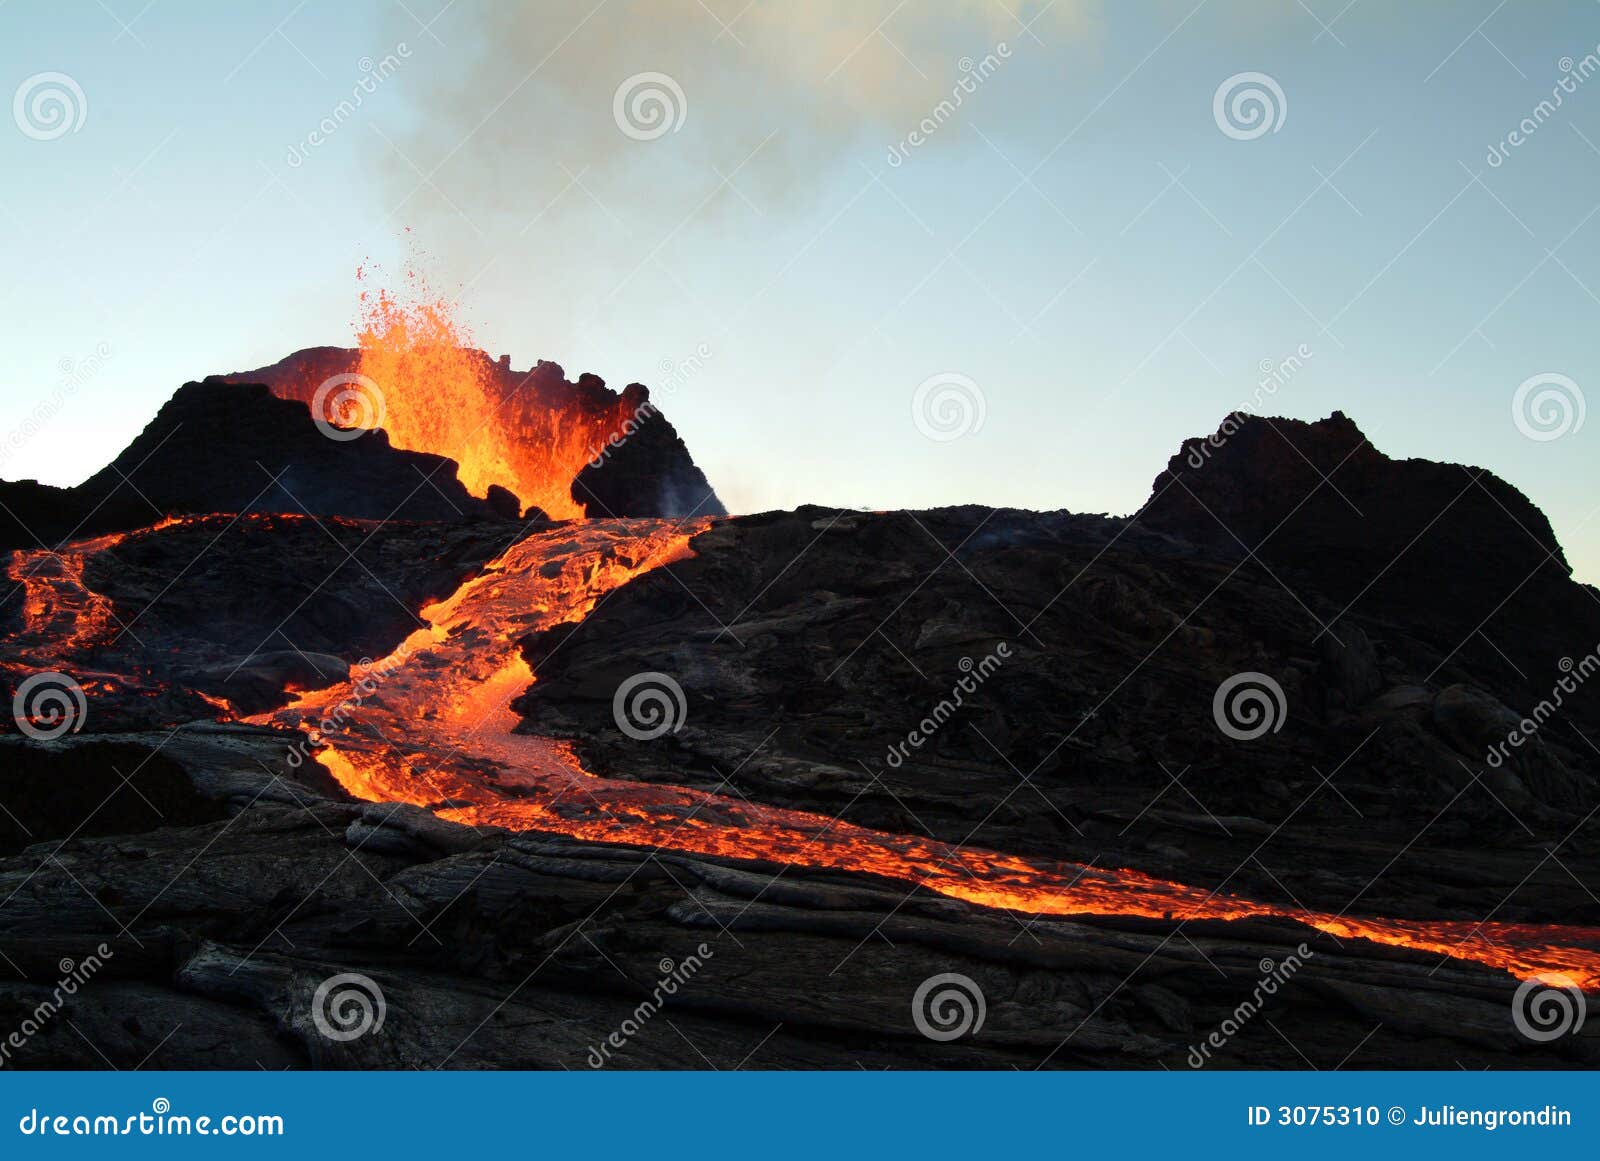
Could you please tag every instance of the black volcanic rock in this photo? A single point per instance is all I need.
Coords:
(646, 470)
(1454, 553)
(35, 515)
(1319, 497)
(495, 950)
(221, 447)
(809, 645)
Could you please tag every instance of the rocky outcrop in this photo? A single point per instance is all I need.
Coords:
(644, 469)
(1453, 554)
(218, 447)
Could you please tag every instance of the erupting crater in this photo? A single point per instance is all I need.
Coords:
(415, 374)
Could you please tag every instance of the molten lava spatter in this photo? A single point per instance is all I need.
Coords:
(435, 393)
(430, 725)
(65, 624)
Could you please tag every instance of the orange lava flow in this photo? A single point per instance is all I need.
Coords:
(62, 618)
(68, 627)
(433, 392)
(431, 725)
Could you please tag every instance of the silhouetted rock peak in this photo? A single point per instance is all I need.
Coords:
(1402, 537)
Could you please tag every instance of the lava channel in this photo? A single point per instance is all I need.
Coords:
(431, 725)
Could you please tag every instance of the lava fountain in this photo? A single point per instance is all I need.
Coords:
(419, 375)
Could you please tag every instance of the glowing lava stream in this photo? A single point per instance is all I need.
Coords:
(430, 725)
(63, 620)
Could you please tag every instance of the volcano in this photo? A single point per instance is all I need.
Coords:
(394, 663)
(563, 447)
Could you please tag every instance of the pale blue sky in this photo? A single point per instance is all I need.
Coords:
(1080, 239)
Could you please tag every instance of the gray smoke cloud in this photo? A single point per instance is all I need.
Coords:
(519, 121)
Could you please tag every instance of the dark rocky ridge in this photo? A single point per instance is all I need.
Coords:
(807, 644)
(219, 447)
(1435, 547)
(810, 643)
